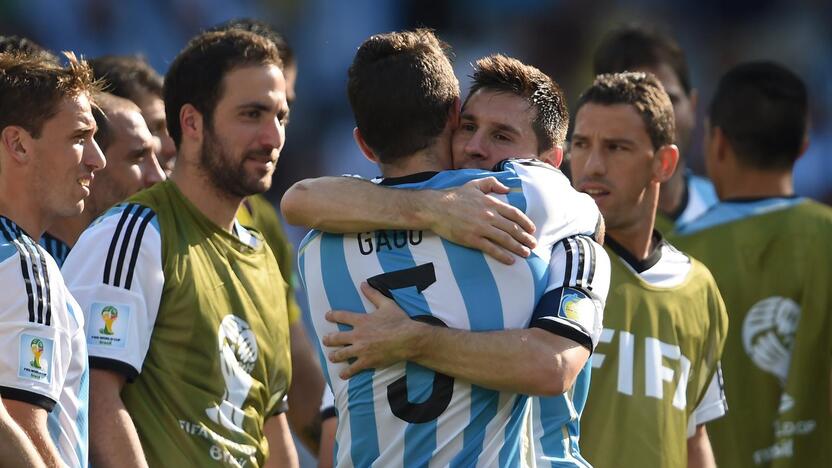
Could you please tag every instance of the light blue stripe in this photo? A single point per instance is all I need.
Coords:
(81, 421)
(482, 303)
(318, 349)
(510, 453)
(342, 295)
(726, 212)
(419, 438)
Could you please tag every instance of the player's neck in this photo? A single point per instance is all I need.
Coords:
(635, 239)
(69, 229)
(672, 192)
(426, 160)
(752, 183)
(25, 211)
(215, 204)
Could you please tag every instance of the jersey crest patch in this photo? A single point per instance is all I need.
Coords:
(36, 358)
(108, 325)
(577, 306)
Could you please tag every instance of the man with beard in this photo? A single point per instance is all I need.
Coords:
(131, 166)
(181, 300)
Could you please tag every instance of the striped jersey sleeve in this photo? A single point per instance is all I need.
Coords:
(36, 344)
(573, 303)
(547, 197)
(115, 273)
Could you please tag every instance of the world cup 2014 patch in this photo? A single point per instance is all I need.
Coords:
(108, 325)
(36, 358)
(576, 306)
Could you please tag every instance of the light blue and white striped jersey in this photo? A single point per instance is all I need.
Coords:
(406, 414)
(572, 307)
(55, 247)
(44, 360)
(700, 196)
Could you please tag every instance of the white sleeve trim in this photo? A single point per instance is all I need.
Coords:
(713, 406)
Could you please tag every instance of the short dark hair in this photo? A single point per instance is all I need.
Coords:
(635, 46)
(503, 74)
(287, 56)
(401, 87)
(127, 76)
(645, 93)
(763, 110)
(24, 45)
(196, 75)
(33, 86)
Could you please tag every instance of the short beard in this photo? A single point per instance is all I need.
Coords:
(223, 174)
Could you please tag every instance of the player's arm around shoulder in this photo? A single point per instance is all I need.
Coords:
(465, 215)
(115, 274)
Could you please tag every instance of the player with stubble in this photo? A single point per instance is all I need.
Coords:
(186, 313)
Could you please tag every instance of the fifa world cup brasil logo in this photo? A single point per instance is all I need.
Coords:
(109, 314)
(37, 352)
(238, 354)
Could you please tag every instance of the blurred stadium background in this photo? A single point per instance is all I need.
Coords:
(557, 36)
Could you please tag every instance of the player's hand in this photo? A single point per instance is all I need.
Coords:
(377, 340)
(468, 216)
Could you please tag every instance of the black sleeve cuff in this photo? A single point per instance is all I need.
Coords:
(563, 330)
(281, 406)
(328, 412)
(9, 393)
(120, 367)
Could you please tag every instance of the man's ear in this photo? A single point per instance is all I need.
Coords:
(693, 97)
(16, 142)
(454, 114)
(191, 122)
(364, 147)
(553, 156)
(664, 163)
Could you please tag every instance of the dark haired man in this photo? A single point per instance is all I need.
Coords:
(131, 166)
(655, 378)
(47, 160)
(639, 48)
(180, 299)
(769, 252)
(258, 212)
(131, 77)
(468, 410)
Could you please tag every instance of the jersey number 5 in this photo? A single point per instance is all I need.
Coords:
(419, 277)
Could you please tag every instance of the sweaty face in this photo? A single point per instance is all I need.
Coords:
(131, 162)
(65, 157)
(241, 145)
(611, 158)
(684, 110)
(494, 126)
(153, 111)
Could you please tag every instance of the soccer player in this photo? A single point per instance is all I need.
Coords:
(639, 48)
(258, 212)
(769, 252)
(181, 300)
(655, 379)
(15, 444)
(47, 156)
(131, 77)
(512, 110)
(445, 417)
(131, 166)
